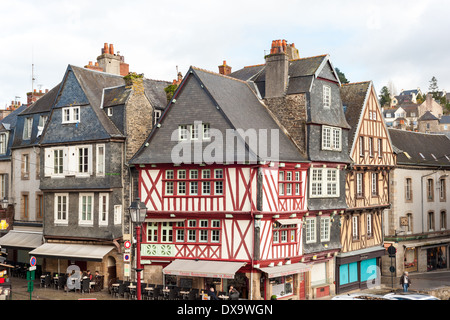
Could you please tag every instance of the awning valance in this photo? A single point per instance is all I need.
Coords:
(203, 268)
(289, 221)
(285, 270)
(72, 251)
(164, 220)
(21, 240)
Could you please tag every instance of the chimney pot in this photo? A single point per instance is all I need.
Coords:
(111, 49)
(46, 90)
(90, 63)
(105, 48)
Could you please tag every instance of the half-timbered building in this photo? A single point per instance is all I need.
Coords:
(303, 94)
(225, 190)
(366, 188)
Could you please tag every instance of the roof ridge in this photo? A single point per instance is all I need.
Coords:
(304, 58)
(355, 83)
(218, 74)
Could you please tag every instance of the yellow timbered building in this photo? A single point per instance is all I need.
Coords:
(366, 187)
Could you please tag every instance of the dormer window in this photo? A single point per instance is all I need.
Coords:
(326, 96)
(3, 142)
(331, 138)
(27, 128)
(71, 115)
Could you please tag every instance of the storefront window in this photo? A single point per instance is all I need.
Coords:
(410, 262)
(282, 286)
(436, 258)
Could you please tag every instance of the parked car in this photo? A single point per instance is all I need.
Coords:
(359, 296)
(409, 296)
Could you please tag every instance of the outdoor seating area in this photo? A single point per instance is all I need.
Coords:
(149, 291)
(68, 283)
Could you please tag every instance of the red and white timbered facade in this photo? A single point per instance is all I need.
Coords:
(209, 212)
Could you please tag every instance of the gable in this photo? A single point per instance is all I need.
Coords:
(372, 125)
(328, 73)
(71, 92)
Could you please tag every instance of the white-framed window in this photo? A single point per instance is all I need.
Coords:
(371, 146)
(103, 209)
(152, 232)
(374, 184)
(442, 189)
(180, 232)
(166, 232)
(215, 232)
(326, 96)
(361, 146)
(182, 132)
(169, 184)
(218, 184)
(331, 138)
(369, 225)
(310, 230)
(83, 160)
(325, 226)
(324, 182)
(359, 184)
(61, 208)
(86, 209)
(203, 232)
(100, 160)
(3, 185)
(206, 132)
(71, 115)
(118, 214)
(192, 231)
(58, 161)
(110, 112)
(194, 131)
(355, 227)
(156, 116)
(28, 127)
(3, 142)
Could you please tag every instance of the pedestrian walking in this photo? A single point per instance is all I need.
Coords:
(405, 281)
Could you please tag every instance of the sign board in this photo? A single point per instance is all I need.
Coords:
(127, 244)
(33, 261)
(392, 251)
(126, 257)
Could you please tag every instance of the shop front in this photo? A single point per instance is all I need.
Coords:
(204, 274)
(284, 282)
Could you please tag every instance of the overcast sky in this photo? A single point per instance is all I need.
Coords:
(402, 42)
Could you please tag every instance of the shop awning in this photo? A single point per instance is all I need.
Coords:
(426, 243)
(203, 268)
(72, 251)
(289, 221)
(285, 270)
(21, 240)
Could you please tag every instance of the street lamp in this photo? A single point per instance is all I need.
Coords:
(138, 212)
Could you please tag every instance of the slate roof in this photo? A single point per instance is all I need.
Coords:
(239, 106)
(45, 103)
(435, 148)
(427, 116)
(353, 96)
(444, 120)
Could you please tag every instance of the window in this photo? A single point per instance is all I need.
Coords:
(206, 131)
(3, 142)
(42, 121)
(169, 184)
(324, 183)
(58, 158)
(442, 189)
(103, 205)
(374, 184)
(203, 230)
(156, 116)
(25, 206)
(371, 147)
(83, 160)
(110, 112)
(86, 208)
(194, 182)
(152, 232)
(325, 229)
(193, 175)
(166, 232)
(182, 132)
(100, 160)
(3, 186)
(326, 96)
(180, 231)
(408, 189)
(289, 183)
(443, 220)
(71, 115)
(380, 148)
(194, 132)
(192, 231)
(331, 138)
(369, 225)
(409, 228)
(39, 206)
(431, 221)
(360, 184)
(25, 166)
(28, 126)
(284, 233)
(310, 230)
(117, 214)
(355, 227)
(430, 191)
(218, 184)
(61, 208)
(215, 232)
(361, 146)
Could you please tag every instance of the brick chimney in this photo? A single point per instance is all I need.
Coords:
(277, 67)
(224, 68)
(34, 96)
(110, 62)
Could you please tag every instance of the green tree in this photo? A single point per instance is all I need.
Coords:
(420, 99)
(433, 88)
(341, 76)
(385, 97)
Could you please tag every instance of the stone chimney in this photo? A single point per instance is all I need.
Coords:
(34, 96)
(277, 67)
(224, 68)
(110, 62)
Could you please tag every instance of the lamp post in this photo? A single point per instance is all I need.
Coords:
(138, 212)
